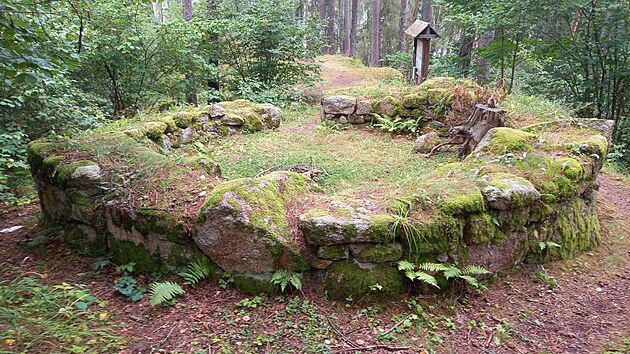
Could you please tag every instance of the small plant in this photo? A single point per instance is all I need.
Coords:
(542, 276)
(399, 125)
(542, 245)
(164, 292)
(198, 270)
(127, 285)
(402, 226)
(425, 272)
(101, 262)
(287, 278)
(251, 303)
(225, 281)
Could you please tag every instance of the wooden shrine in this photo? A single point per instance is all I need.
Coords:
(421, 32)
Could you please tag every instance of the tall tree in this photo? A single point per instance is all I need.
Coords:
(353, 27)
(427, 11)
(375, 30)
(414, 17)
(330, 31)
(347, 22)
(402, 25)
(187, 10)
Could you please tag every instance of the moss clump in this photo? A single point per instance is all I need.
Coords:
(85, 240)
(183, 119)
(334, 252)
(508, 140)
(254, 284)
(125, 251)
(415, 100)
(233, 119)
(436, 235)
(571, 168)
(65, 172)
(377, 253)
(347, 278)
(463, 203)
(154, 130)
(171, 126)
(162, 223)
(481, 228)
(253, 123)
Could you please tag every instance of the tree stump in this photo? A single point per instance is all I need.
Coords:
(484, 118)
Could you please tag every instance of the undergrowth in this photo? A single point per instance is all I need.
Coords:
(35, 317)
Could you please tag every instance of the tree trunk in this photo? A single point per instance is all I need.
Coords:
(465, 48)
(187, 9)
(347, 23)
(375, 38)
(414, 17)
(483, 119)
(353, 27)
(187, 14)
(483, 65)
(402, 25)
(427, 11)
(330, 35)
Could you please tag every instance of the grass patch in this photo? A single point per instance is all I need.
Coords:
(353, 159)
(61, 318)
(525, 110)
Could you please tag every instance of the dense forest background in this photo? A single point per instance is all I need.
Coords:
(70, 65)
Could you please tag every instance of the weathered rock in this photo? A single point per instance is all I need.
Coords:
(339, 105)
(505, 255)
(243, 225)
(342, 120)
(346, 222)
(424, 143)
(233, 119)
(363, 107)
(334, 253)
(271, 115)
(509, 192)
(356, 119)
(377, 253)
(349, 278)
(87, 175)
(187, 136)
(202, 118)
(216, 111)
(388, 106)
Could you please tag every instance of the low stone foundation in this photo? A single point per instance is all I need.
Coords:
(522, 196)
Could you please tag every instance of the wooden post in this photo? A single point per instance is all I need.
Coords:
(421, 32)
(424, 66)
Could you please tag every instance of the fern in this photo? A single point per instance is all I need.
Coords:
(162, 292)
(475, 269)
(427, 278)
(433, 267)
(286, 277)
(425, 272)
(198, 270)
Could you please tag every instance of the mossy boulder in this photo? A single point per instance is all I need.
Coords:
(377, 253)
(502, 140)
(243, 224)
(507, 191)
(351, 279)
(346, 221)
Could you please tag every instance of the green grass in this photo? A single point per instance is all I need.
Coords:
(353, 159)
(62, 318)
(524, 110)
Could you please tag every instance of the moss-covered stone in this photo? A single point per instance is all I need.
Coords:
(502, 140)
(253, 123)
(85, 239)
(183, 119)
(334, 252)
(332, 229)
(125, 251)
(463, 202)
(415, 100)
(348, 279)
(438, 234)
(154, 130)
(233, 119)
(480, 228)
(161, 223)
(243, 224)
(377, 253)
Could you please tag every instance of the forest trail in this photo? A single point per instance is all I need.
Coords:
(574, 306)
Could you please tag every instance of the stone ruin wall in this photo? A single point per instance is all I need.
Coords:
(346, 245)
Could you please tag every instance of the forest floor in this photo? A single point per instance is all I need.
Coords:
(574, 306)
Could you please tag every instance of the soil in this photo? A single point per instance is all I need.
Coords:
(574, 306)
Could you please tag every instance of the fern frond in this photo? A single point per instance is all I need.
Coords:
(427, 278)
(163, 291)
(475, 269)
(433, 267)
(410, 274)
(452, 272)
(471, 281)
(406, 265)
(198, 270)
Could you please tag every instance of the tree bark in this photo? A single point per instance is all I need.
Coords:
(330, 35)
(187, 9)
(483, 65)
(414, 17)
(480, 122)
(427, 11)
(353, 27)
(375, 38)
(347, 23)
(402, 25)
(465, 48)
